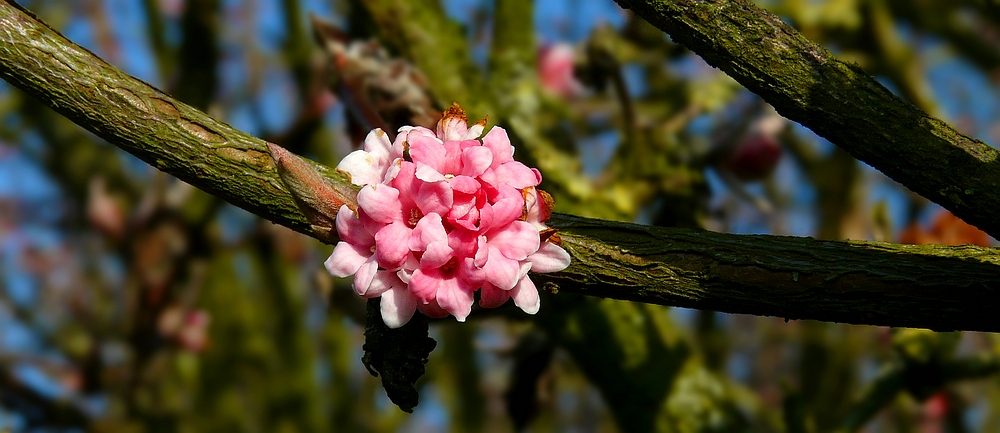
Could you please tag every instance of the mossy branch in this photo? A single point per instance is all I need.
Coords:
(797, 278)
(837, 100)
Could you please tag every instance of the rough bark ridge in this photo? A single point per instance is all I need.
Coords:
(798, 278)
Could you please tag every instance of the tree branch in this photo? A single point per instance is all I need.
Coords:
(797, 278)
(837, 100)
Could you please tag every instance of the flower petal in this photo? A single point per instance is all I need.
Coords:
(377, 145)
(392, 245)
(381, 202)
(428, 230)
(436, 255)
(491, 297)
(526, 296)
(424, 284)
(455, 299)
(516, 240)
(362, 168)
(499, 143)
(432, 310)
(366, 273)
(464, 184)
(427, 150)
(351, 229)
(384, 281)
(434, 197)
(397, 306)
(517, 175)
(427, 173)
(501, 271)
(475, 160)
(549, 258)
(346, 259)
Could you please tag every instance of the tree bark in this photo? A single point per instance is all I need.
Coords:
(935, 287)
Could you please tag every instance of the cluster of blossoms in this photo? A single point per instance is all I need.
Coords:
(441, 215)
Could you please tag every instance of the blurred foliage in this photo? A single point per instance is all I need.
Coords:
(135, 303)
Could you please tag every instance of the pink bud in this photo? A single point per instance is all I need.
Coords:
(316, 196)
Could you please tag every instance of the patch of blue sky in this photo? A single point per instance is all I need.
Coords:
(242, 118)
(131, 33)
(80, 30)
(16, 337)
(235, 224)
(21, 179)
(36, 379)
(596, 151)
(430, 414)
(738, 366)
(277, 101)
(13, 422)
(884, 190)
(573, 20)
(271, 31)
(635, 79)
(962, 90)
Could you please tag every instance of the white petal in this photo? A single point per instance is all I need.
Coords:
(549, 258)
(525, 296)
(397, 306)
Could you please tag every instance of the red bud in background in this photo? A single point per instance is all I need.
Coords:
(755, 157)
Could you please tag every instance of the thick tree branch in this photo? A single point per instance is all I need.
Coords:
(838, 101)
(798, 278)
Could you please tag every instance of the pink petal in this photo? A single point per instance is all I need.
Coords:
(517, 175)
(428, 230)
(464, 184)
(381, 202)
(501, 271)
(398, 306)
(455, 299)
(436, 255)
(482, 252)
(549, 258)
(351, 230)
(346, 259)
(516, 240)
(489, 178)
(492, 297)
(497, 141)
(464, 242)
(432, 310)
(453, 156)
(424, 284)
(506, 211)
(526, 296)
(392, 245)
(475, 160)
(435, 197)
(384, 281)
(470, 275)
(366, 273)
(406, 181)
(427, 173)
(427, 150)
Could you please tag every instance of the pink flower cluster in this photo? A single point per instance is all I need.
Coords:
(441, 215)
